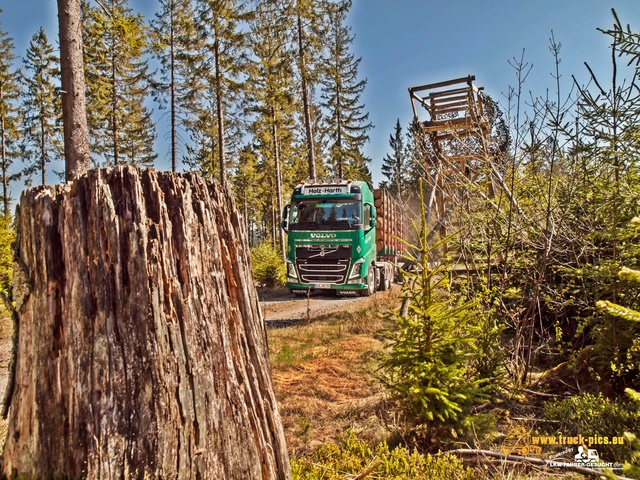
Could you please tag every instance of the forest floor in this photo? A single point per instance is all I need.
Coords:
(324, 375)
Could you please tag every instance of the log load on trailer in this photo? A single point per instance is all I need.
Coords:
(342, 237)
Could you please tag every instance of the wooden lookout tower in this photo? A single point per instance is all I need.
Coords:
(457, 127)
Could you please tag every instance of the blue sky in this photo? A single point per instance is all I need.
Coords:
(405, 43)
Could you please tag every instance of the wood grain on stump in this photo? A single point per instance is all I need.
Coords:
(141, 348)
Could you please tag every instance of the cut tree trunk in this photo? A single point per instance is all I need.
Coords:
(141, 348)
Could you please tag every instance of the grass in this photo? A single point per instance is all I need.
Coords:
(324, 378)
(6, 332)
(339, 420)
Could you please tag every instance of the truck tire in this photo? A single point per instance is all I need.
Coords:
(384, 281)
(389, 277)
(371, 282)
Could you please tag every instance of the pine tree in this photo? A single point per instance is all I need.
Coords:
(9, 116)
(609, 134)
(418, 149)
(429, 365)
(221, 24)
(202, 150)
(247, 188)
(308, 20)
(175, 46)
(117, 84)
(395, 165)
(341, 88)
(272, 84)
(40, 107)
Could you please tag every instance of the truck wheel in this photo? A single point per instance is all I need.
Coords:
(371, 282)
(387, 281)
(384, 282)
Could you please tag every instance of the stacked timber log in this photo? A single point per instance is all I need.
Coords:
(141, 349)
(390, 225)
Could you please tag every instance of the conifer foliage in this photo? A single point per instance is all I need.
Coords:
(342, 88)
(272, 101)
(41, 107)
(9, 116)
(395, 165)
(259, 94)
(432, 348)
(174, 44)
(117, 73)
(307, 22)
(222, 44)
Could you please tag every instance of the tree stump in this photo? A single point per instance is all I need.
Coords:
(141, 348)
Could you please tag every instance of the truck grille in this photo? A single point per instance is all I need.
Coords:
(323, 263)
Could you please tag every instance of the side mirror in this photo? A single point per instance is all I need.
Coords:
(372, 222)
(285, 219)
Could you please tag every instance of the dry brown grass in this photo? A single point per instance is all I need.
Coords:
(324, 376)
(325, 382)
(6, 332)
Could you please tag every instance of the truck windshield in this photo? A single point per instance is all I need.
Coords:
(323, 214)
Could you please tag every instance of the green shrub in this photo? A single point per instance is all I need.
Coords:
(352, 456)
(590, 415)
(7, 236)
(268, 266)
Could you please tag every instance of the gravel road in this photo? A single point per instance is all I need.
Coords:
(288, 310)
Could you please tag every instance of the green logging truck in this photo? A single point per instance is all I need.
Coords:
(342, 236)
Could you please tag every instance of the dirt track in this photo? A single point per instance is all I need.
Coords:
(286, 309)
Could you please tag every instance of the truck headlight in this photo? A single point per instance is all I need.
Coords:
(291, 270)
(356, 269)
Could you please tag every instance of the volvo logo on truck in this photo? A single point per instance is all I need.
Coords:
(324, 235)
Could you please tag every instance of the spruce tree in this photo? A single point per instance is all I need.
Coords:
(221, 24)
(9, 116)
(347, 123)
(117, 85)
(307, 20)
(395, 165)
(40, 108)
(202, 151)
(175, 43)
(609, 135)
(417, 149)
(430, 363)
(272, 104)
(247, 189)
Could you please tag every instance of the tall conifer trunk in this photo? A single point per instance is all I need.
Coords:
(74, 109)
(276, 159)
(306, 102)
(174, 126)
(220, 114)
(3, 152)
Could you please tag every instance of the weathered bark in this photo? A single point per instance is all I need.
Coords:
(141, 347)
(74, 109)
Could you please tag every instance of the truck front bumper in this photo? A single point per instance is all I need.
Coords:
(303, 287)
